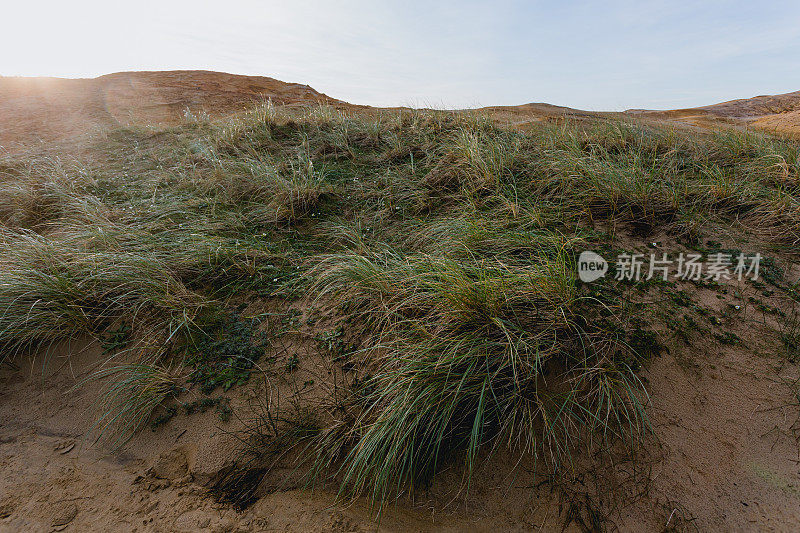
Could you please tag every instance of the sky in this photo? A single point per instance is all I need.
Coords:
(600, 55)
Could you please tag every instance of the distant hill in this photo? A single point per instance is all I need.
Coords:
(775, 113)
(56, 108)
(59, 109)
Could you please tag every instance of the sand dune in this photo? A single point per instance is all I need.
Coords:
(58, 109)
(50, 109)
(723, 403)
(775, 113)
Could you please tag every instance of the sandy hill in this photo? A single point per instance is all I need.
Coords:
(366, 293)
(57, 108)
(531, 113)
(758, 106)
(776, 113)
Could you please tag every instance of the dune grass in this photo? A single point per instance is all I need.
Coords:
(444, 242)
(53, 289)
(131, 394)
(471, 352)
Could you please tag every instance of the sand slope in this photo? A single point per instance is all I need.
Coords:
(54, 109)
(34, 110)
(774, 113)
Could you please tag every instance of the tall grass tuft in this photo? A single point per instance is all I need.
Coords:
(472, 353)
(44, 191)
(50, 291)
(131, 393)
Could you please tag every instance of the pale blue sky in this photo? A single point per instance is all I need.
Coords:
(599, 55)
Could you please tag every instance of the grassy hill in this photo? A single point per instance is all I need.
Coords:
(426, 261)
(439, 249)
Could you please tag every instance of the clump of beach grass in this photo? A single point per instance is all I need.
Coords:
(130, 394)
(472, 353)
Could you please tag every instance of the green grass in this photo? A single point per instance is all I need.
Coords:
(441, 243)
(471, 352)
(57, 288)
(131, 392)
